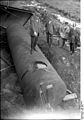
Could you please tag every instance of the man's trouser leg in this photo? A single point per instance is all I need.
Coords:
(60, 42)
(36, 40)
(73, 47)
(47, 36)
(70, 46)
(50, 40)
(76, 44)
(63, 42)
(32, 43)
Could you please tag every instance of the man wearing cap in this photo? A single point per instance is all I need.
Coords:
(49, 32)
(64, 30)
(34, 30)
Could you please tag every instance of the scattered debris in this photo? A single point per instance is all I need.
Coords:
(70, 96)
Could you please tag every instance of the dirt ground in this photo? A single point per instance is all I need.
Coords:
(67, 66)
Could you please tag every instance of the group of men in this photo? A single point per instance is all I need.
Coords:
(65, 33)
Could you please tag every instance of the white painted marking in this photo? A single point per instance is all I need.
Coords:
(49, 86)
(70, 96)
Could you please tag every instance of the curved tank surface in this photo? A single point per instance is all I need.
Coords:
(39, 81)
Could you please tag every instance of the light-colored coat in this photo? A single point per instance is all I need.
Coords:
(35, 25)
(49, 27)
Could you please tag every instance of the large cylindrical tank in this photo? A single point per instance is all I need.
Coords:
(40, 85)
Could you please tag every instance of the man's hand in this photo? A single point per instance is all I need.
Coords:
(35, 33)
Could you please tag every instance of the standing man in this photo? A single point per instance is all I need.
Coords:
(49, 31)
(34, 30)
(56, 32)
(64, 30)
(72, 40)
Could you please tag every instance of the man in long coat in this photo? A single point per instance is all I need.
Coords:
(35, 26)
(72, 40)
(49, 31)
(64, 31)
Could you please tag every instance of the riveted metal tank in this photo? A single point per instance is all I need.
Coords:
(40, 85)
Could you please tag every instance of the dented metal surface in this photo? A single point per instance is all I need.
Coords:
(30, 76)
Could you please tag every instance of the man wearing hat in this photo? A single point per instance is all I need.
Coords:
(35, 26)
